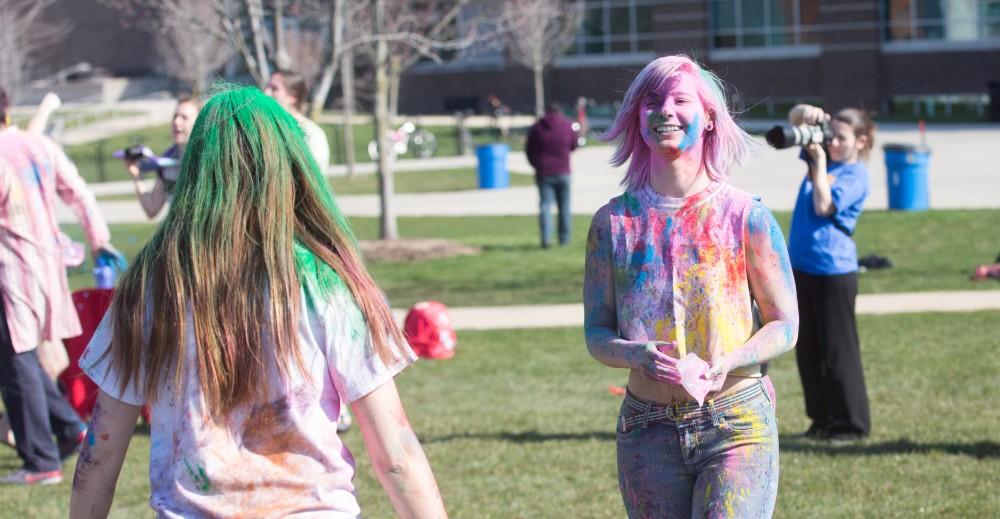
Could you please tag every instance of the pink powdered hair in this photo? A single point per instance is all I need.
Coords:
(725, 145)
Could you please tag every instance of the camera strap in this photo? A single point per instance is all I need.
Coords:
(841, 227)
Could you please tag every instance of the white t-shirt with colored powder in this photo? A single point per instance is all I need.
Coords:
(277, 459)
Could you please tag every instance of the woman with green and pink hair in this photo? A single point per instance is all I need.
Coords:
(673, 268)
(241, 323)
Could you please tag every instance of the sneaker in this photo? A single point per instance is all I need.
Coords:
(71, 446)
(27, 477)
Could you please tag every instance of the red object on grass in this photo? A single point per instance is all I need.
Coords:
(81, 392)
(429, 330)
(90, 303)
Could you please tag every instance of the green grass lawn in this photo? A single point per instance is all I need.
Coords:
(520, 424)
(934, 250)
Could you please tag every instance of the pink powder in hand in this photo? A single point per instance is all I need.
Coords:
(692, 369)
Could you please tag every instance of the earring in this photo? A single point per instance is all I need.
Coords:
(710, 126)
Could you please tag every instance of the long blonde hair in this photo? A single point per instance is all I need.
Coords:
(251, 222)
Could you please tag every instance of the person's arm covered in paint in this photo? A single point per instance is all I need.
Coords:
(111, 426)
(600, 318)
(74, 193)
(769, 272)
(396, 455)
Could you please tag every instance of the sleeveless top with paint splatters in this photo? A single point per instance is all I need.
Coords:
(680, 269)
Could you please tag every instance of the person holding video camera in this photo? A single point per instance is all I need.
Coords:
(825, 263)
(155, 198)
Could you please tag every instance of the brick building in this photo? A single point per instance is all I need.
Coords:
(889, 55)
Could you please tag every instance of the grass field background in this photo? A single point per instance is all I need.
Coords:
(934, 250)
(520, 424)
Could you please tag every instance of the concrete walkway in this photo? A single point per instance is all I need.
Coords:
(545, 316)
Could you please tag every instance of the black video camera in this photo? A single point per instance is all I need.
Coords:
(134, 152)
(785, 135)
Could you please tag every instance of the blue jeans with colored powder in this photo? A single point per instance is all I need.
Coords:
(719, 460)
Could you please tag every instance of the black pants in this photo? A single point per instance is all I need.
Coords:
(34, 406)
(829, 354)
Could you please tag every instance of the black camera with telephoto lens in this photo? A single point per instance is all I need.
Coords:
(785, 135)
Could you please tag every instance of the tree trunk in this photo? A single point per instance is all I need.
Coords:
(387, 228)
(281, 58)
(256, 12)
(395, 70)
(322, 90)
(539, 91)
(347, 84)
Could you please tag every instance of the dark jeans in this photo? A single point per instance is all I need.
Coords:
(553, 188)
(34, 406)
(828, 354)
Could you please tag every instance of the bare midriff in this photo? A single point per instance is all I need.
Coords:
(650, 390)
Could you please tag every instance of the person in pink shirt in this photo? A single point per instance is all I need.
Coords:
(243, 323)
(36, 304)
(673, 268)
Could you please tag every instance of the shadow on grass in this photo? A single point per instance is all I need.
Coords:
(979, 450)
(523, 437)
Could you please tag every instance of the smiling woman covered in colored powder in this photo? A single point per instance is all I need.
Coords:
(241, 323)
(674, 266)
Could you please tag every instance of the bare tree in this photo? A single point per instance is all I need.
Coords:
(24, 34)
(538, 32)
(190, 55)
(347, 85)
(228, 24)
(429, 41)
(433, 19)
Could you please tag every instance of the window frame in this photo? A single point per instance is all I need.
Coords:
(635, 40)
(739, 52)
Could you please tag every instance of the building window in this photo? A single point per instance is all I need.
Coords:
(614, 27)
(763, 23)
(942, 20)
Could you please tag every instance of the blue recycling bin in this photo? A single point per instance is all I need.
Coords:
(906, 173)
(492, 169)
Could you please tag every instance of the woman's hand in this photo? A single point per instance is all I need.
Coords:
(718, 372)
(133, 168)
(807, 114)
(817, 156)
(652, 361)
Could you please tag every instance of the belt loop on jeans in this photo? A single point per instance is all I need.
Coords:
(645, 413)
(713, 412)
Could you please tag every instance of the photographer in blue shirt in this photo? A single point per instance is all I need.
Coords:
(825, 263)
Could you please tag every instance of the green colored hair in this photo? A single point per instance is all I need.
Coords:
(252, 223)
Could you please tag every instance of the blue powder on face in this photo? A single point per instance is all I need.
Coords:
(691, 134)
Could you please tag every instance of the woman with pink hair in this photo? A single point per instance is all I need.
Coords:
(674, 266)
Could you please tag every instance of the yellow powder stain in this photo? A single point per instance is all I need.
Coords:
(757, 426)
(730, 512)
(708, 490)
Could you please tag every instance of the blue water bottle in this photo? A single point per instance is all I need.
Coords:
(104, 273)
